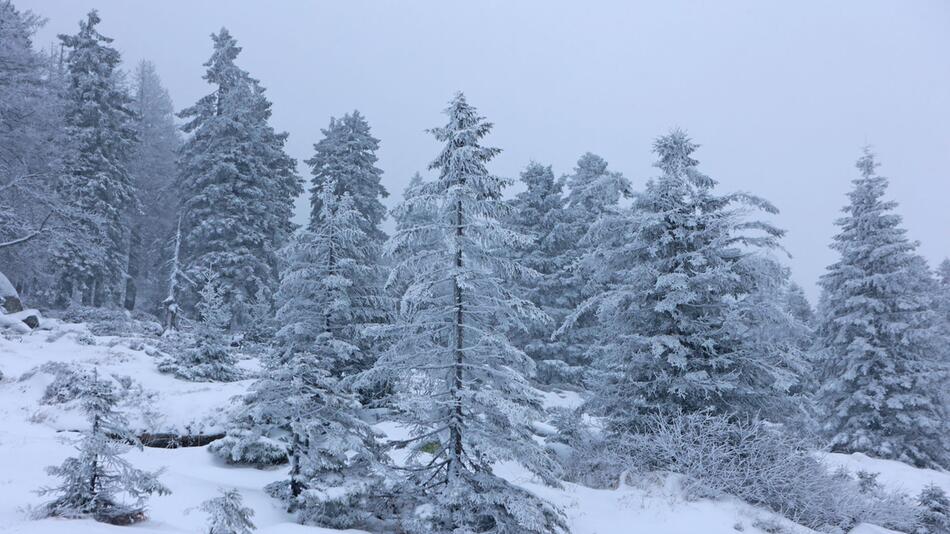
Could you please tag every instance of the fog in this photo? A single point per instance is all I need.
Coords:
(781, 98)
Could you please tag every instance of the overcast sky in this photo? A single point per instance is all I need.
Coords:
(781, 98)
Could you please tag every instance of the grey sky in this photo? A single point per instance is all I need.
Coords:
(781, 98)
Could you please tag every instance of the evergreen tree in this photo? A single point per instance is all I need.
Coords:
(331, 283)
(93, 483)
(236, 183)
(881, 378)
(409, 214)
(326, 296)
(209, 359)
(299, 410)
(686, 318)
(593, 192)
(538, 212)
(153, 170)
(228, 515)
(31, 140)
(462, 386)
(934, 511)
(943, 284)
(100, 140)
(797, 305)
(346, 156)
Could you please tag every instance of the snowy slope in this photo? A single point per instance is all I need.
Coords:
(33, 436)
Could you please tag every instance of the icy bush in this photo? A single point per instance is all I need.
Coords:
(209, 358)
(934, 511)
(242, 446)
(112, 321)
(228, 515)
(754, 461)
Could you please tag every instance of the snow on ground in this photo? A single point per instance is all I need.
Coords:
(893, 475)
(33, 436)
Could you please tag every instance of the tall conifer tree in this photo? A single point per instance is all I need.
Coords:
(100, 139)
(882, 371)
(462, 386)
(237, 183)
(682, 321)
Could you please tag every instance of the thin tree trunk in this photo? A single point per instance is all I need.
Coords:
(455, 427)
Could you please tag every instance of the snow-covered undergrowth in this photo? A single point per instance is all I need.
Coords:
(37, 420)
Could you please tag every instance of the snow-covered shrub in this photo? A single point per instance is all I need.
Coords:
(759, 464)
(558, 372)
(243, 446)
(100, 321)
(228, 515)
(94, 483)
(209, 358)
(66, 385)
(934, 511)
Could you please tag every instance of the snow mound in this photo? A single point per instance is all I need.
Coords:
(34, 435)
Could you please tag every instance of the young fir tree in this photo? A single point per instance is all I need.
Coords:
(539, 212)
(153, 170)
(593, 192)
(689, 299)
(100, 139)
(347, 156)
(299, 410)
(797, 305)
(327, 295)
(881, 376)
(237, 184)
(934, 512)
(94, 483)
(228, 515)
(462, 386)
(209, 359)
(331, 282)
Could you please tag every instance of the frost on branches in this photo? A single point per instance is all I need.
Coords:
(95, 180)
(299, 410)
(94, 483)
(462, 386)
(682, 322)
(539, 212)
(593, 191)
(236, 183)
(228, 515)
(881, 338)
(209, 358)
(346, 156)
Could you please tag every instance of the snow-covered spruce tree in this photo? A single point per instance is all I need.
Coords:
(228, 515)
(327, 295)
(934, 512)
(593, 192)
(331, 283)
(153, 170)
(30, 153)
(347, 156)
(461, 384)
(100, 139)
(538, 212)
(410, 215)
(943, 285)
(882, 375)
(94, 483)
(209, 359)
(298, 409)
(797, 304)
(237, 184)
(689, 302)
